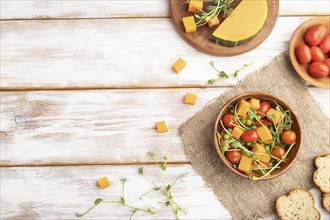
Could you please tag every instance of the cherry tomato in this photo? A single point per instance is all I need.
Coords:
(250, 136)
(325, 44)
(317, 54)
(278, 152)
(303, 54)
(318, 70)
(264, 107)
(228, 120)
(289, 137)
(327, 62)
(315, 34)
(233, 156)
(263, 121)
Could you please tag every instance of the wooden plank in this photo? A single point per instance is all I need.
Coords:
(75, 54)
(52, 9)
(59, 192)
(98, 127)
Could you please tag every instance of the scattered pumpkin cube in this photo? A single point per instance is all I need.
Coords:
(178, 65)
(243, 108)
(190, 99)
(161, 127)
(258, 148)
(255, 103)
(274, 115)
(245, 164)
(213, 22)
(103, 182)
(195, 5)
(189, 24)
(264, 134)
(237, 132)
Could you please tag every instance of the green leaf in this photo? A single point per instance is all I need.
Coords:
(211, 81)
(223, 74)
(167, 203)
(141, 170)
(163, 167)
(98, 201)
(156, 188)
(236, 73)
(122, 199)
(123, 180)
(165, 158)
(168, 187)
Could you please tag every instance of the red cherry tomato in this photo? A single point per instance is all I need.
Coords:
(233, 156)
(317, 54)
(263, 121)
(278, 152)
(250, 136)
(289, 137)
(303, 54)
(327, 62)
(325, 44)
(264, 107)
(315, 34)
(228, 120)
(318, 70)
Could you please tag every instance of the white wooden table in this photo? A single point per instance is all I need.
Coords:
(82, 85)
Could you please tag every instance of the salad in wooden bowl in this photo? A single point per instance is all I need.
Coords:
(257, 136)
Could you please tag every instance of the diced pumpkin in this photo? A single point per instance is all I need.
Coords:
(258, 148)
(243, 108)
(255, 103)
(103, 182)
(245, 164)
(237, 132)
(161, 127)
(190, 99)
(274, 113)
(213, 22)
(264, 134)
(189, 24)
(178, 65)
(243, 24)
(195, 5)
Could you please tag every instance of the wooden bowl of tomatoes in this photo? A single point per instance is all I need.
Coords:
(310, 51)
(257, 136)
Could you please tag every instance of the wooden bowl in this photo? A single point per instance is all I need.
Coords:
(292, 155)
(297, 39)
(200, 39)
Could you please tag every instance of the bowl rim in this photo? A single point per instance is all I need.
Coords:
(238, 97)
(294, 61)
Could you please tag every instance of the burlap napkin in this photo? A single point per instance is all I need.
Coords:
(246, 199)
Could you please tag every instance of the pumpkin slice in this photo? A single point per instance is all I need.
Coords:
(243, 24)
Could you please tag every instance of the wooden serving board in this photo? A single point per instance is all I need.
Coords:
(200, 38)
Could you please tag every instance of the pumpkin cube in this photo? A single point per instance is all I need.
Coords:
(245, 164)
(195, 5)
(243, 108)
(178, 65)
(264, 134)
(161, 127)
(258, 148)
(213, 22)
(190, 99)
(274, 115)
(237, 132)
(189, 24)
(255, 103)
(103, 182)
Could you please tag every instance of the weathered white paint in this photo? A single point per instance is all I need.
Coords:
(59, 192)
(98, 127)
(45, 9)
(117, 54)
